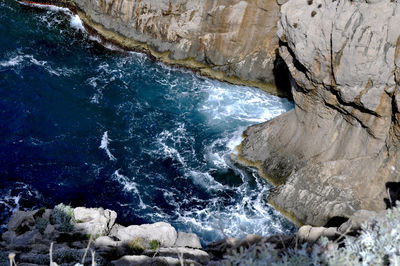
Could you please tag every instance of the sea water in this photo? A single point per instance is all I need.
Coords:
(91, 125)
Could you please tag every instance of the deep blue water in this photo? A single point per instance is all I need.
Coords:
(91, 126)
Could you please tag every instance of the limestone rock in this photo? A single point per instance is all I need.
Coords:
(94, 221)
(164, 233)
(187, 240)
(211, 36)
(338, 151)
(312, 234)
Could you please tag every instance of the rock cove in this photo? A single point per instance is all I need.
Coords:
(337, 151)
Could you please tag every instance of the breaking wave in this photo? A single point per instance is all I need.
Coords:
(87, 124)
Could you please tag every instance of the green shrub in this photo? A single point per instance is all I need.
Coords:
(154, 245)
(63, 216)
(39, 213)
(136, 246)
(41, 224)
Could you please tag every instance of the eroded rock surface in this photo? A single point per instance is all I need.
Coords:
(230, 40)
(335, 152)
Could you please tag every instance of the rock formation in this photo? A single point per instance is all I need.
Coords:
(338, 150)
(233, 40)
(30, 234)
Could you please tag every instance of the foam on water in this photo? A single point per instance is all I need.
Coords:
(77, 23)
(105, 141)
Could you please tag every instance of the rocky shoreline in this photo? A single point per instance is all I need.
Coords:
(337, 152)
(70, 233)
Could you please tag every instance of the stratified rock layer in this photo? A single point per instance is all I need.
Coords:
(337, 150)
(229, 40)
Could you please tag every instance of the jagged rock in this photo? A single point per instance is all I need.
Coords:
(211, 36)
(21, 219)
(164, 233)
(338, 150)
(50, 230)
(94, 221)
(187, 240)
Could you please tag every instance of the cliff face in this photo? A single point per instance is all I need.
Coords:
(337, 150)
(229, 40)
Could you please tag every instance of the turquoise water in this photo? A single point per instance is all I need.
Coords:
(91, 125)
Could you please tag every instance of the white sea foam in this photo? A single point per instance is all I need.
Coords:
(17, 62)
(105, 141)
(77, 23)
(12, 61)
(75, 20)
(129, 186)
(225, 104)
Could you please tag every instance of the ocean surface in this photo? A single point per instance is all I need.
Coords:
(91, 125)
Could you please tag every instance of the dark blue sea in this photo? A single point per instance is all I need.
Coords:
(88, 124)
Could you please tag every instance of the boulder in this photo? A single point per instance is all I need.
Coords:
(187, 240)
(94, 221)
(164, 233)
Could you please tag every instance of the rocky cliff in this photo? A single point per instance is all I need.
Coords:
(232, 40)
(338, 150)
